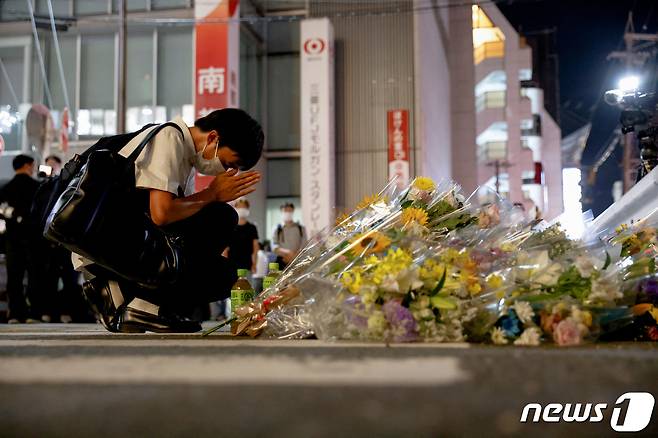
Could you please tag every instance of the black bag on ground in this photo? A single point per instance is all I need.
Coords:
(99, 216)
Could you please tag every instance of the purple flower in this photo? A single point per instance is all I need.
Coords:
(650, 287)
(401, 320)
(355, 312)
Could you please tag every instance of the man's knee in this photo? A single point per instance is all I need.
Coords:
(220, 213)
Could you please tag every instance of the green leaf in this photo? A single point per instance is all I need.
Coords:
(608, 260)
(443, 303)
(441, 283)
(407, 203)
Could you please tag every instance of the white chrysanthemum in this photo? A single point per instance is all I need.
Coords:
(584, 266)
(498, 336)
(524, 311)
(605, 291)
(530, 336)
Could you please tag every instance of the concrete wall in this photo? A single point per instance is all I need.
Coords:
(374, 74)
(432, 88)
(462, 97)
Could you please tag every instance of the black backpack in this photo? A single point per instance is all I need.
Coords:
(51, 188)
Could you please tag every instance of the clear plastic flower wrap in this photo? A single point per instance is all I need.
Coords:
(428, 264)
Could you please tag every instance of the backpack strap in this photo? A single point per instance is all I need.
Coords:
(138, 150)
(279, 233)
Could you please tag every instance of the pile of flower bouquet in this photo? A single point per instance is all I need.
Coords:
(427, 264)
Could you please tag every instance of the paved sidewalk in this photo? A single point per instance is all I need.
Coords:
(78, 380)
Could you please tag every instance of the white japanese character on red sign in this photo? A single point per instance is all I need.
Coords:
(211, 79)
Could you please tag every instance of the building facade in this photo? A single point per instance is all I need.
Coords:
(462, 73)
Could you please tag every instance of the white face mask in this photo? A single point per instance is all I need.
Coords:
(211, 167)
(286, 216)
(243, 213)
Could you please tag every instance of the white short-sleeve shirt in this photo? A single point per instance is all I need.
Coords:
(167, 162)
(164, 164)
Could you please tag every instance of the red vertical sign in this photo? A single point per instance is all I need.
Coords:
(398, 145)
(216, 81)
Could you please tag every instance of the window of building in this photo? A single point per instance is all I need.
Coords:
(490, 99)
(61, 8)
(169, 4)
(91, 7)
(175, 63)
(251, 69)
(496, 150)
(288, 186)
(131, 5)
(528, 177)
(488, 40)
(97, 114)
(525, 74)
(13, 9)
(283, 102)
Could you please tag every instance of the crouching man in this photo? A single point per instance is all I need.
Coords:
(201, 223)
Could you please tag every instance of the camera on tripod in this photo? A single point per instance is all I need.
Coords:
(638, 115)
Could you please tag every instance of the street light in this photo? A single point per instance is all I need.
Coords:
(629, 83)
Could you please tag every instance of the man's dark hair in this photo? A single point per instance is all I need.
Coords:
(238, 131)
(21, 160)
(53, 157)
(287, 205)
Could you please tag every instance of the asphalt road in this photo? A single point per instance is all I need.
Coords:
(77, 380)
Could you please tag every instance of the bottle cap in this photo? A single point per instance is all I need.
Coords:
(273, 266)
(243, 272)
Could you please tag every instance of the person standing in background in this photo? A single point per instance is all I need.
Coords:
(289, 236)
(55, 164)
(243, 247)
(16, 202)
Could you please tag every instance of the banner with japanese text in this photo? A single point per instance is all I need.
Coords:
(217, 58)
(398, 145)
(317, 124)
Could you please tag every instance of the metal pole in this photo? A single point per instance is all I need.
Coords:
(497, 168)
(58, 52)
(627, 183)
(37, 45)
(121, 59)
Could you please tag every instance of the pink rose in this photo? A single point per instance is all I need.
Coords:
(567, 333)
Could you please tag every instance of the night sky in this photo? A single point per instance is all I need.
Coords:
(587, 31)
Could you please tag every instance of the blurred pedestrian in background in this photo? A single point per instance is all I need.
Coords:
(289, 236)
(243, 247)
(15, 204)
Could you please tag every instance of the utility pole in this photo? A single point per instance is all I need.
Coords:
(498, 165)
(633, 57)
(121, 71)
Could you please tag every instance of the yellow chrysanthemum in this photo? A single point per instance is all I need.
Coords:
(413, 214)
(494, 281)
(342, 218)
(424, 183)
(431, 270)
(474, 288)
(621, 228)
(370, 243)
(393, 263)
(370, 200)
(352, 281)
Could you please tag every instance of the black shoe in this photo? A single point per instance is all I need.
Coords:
(98, 295)
(138, 321)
